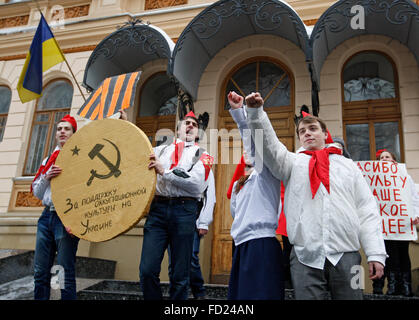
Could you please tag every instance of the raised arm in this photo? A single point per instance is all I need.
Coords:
(239, 117)
(274, 154)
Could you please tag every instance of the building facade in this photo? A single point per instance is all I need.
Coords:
(362, 79)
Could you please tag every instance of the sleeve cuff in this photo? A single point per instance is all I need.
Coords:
(166, 175)
(42, 181)
(202, 226)
(381, 258)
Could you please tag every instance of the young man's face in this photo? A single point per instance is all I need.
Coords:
(188, 130)
(63, 133)
(312, 136)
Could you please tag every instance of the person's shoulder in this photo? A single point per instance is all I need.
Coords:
(343, 161)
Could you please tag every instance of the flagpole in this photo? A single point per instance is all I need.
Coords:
(65, 59)
(75, 80)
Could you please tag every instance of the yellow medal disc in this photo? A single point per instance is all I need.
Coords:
(105, 186)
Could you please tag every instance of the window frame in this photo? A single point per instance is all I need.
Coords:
(5, 115)
(225, 113)
(51, 125)
(373, 110)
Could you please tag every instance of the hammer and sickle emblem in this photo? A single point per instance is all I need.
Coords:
(113, 168)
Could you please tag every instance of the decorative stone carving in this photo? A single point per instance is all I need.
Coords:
(71, 12)
(27, 199)
(156, 4)
(75, 12)
(14, 21)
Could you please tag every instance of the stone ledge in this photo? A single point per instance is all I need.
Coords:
(130, 290)
(17, 264)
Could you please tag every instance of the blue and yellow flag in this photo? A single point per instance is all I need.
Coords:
(43, 54)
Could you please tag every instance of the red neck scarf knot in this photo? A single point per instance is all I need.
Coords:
(43, 169)
(319, 168)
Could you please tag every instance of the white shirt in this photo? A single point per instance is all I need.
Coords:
(206, 215)
(256, 207)
(330, 224)
(41, 187)
(181, 181)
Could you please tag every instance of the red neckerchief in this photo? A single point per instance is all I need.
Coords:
(206, 159)
(177, 154)
(236, 176)
(319, 168)
(43, 169)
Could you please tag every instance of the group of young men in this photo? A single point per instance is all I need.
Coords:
(329, 208)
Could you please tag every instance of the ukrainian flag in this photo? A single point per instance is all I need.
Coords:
(44, 53)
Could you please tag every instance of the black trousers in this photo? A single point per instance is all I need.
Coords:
(398, 260)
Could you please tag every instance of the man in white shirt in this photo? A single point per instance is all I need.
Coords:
(329, 208)
(182, 176)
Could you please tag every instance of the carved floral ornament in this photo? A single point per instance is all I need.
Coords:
(56, 14)
(11, 22)
(156, 4)
(72, 12)
(27, 199)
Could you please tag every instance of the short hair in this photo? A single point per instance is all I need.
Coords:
(391, 153)
(56, 125)
(179, 123)
(311, 119)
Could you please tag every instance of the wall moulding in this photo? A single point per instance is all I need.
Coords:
(12, 22)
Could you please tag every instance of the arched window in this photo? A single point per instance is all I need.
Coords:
(262, 75)
(157, 107)
(54, 103)
(371, 108)
(5, 99)
(368, 76)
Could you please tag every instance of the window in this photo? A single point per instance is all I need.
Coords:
(368, 76)
(264, 76)
(54, 103)
(159, 97)
(157, 108)
(371, 108)
(386, 135)
(5, 99)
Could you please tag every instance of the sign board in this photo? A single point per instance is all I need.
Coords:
(105, 186)
(391, 189)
